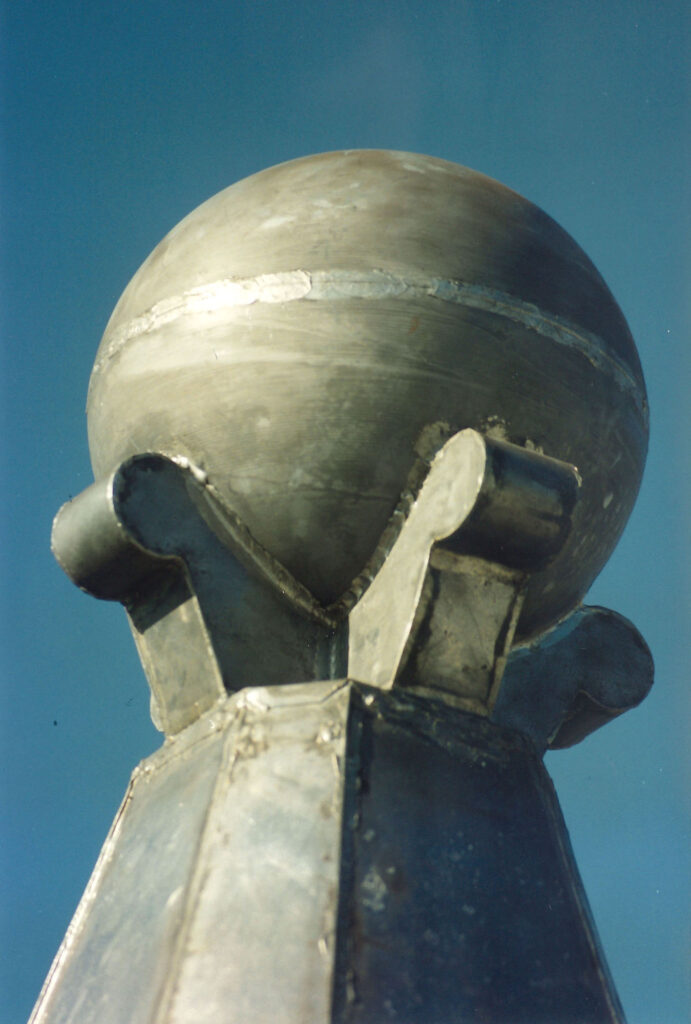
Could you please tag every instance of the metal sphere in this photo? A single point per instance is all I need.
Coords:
(295, 335)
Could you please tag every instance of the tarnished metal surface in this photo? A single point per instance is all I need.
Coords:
(215, 896)
(116, 957)
(286, 495)
(432, 613)
(260, 942)
(295, 335)
(325, 852)
(334, 853)
(200, 593)
(443, 619)
(460, 900)
(327, 285)
(591, 669)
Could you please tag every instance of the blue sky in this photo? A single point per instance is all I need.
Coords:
(117, 120)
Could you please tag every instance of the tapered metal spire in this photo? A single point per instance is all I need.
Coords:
(364, 427)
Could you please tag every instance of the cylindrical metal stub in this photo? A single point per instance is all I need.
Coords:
(295, 334)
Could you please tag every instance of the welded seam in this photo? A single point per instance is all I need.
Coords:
(230, 294)
(170, 990)
(576, 891)
(75, 929)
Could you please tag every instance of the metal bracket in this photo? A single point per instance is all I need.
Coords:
(210, 611)
(581, 675)
(442, 610)
(213, 612)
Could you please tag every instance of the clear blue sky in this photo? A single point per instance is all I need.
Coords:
(118, 119)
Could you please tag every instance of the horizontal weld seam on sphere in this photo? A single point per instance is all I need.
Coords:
(229, 294)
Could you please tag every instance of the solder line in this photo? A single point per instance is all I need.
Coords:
(229, 294)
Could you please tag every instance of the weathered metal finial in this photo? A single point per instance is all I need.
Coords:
(364, 428)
